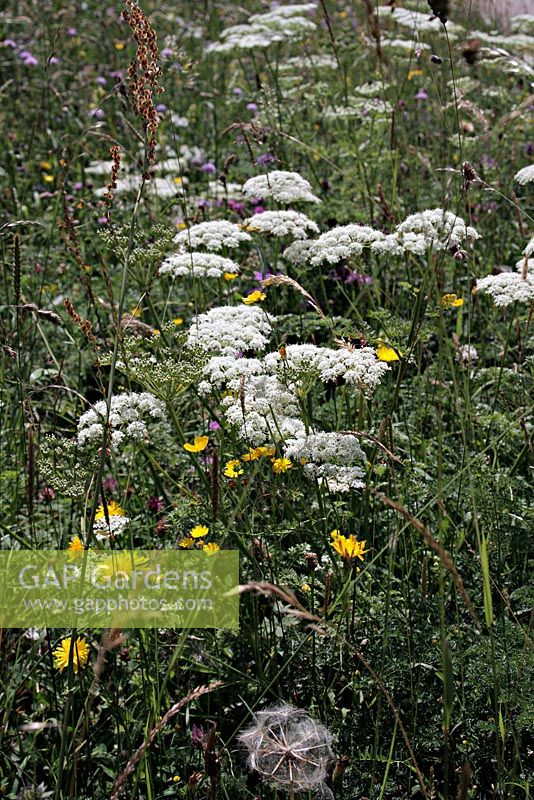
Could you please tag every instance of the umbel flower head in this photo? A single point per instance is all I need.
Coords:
(288, 748)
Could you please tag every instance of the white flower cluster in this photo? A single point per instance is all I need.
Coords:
(358, 367)
(298, 252)
(525, 175)
(264, 410)
(342, 242)
(285, 187)
(128, 412)
(230, 329)
(117, 523)
(158, 187)
(263, 405)
(360, 107)
(228, 371)
(332, 458)
(467, 354)
(507, 288)
(283, 23)
(282, 223)
(212, 235)
(529, 249)
(433, 228)
(417, 21)
(198, 265)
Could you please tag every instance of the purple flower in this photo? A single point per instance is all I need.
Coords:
(239, 208)
(117, 74)
(209, 167)
(28, 58)
(166, 52)
(260, 276)
(103, 220)
(77, 186)
(421, 95)
(252, 107)
(72, 32)
(529, 149)
(259, 210)
(264, 159)
(97, 113)
(109, 484)
(54, 60)
(39, 267)
(161, 108)
(197, 736)
(9, 43)
(213, 425)
(47, 494)
(155, 504)
(101, 80)
(236, 90)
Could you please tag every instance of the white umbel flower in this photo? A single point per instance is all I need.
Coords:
(282, 223)
(264, 410)
(212, 235)
(433, 228)
(228, 371)
(198, 265)
(507, 288)
(358, 366)
(525, 175)
(127, 418)
(342, 243)
(227, 330)
(333, 458)
(467, 354)
(285, 187)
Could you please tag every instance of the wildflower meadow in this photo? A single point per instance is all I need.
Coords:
(267, 305)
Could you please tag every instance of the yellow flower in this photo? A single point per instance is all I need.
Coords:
(80, 654)
(230, 276)
(281, 465)
(306, 587)
(135, 312)
(348, 547)
(114, 510)
(200, 443)
(211, 548)
(75, 547)
(258, 452)
(176, 779)
(451, 301)
(48, 178)
(199, 531)
(231, 470)
(413, 73)
(178, 321)
(385, 353)
(335, 534)
(121, 564)
(178, 179)
(119, 45)
(254, 297)
(155, 332)
(45, 165)
(186, 544)
(181, 226)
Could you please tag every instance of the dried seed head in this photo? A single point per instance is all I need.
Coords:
(288, 748)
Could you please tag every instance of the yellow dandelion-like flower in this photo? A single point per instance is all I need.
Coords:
(135, 312)
(187, 543)
(48, 178)
(254, 297)
(178, 321)
(259, 452)
(80, 654)
(231, 470)
(348, 547)
(281, 465)
(211, 548)
(121, 563)
(119, 45)
(414, 73)
(230, 276)
(199, 531)
(114, 510)
(385, 353)
(75, 547)
(45, 165)
(199, 444)
(451, 301)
